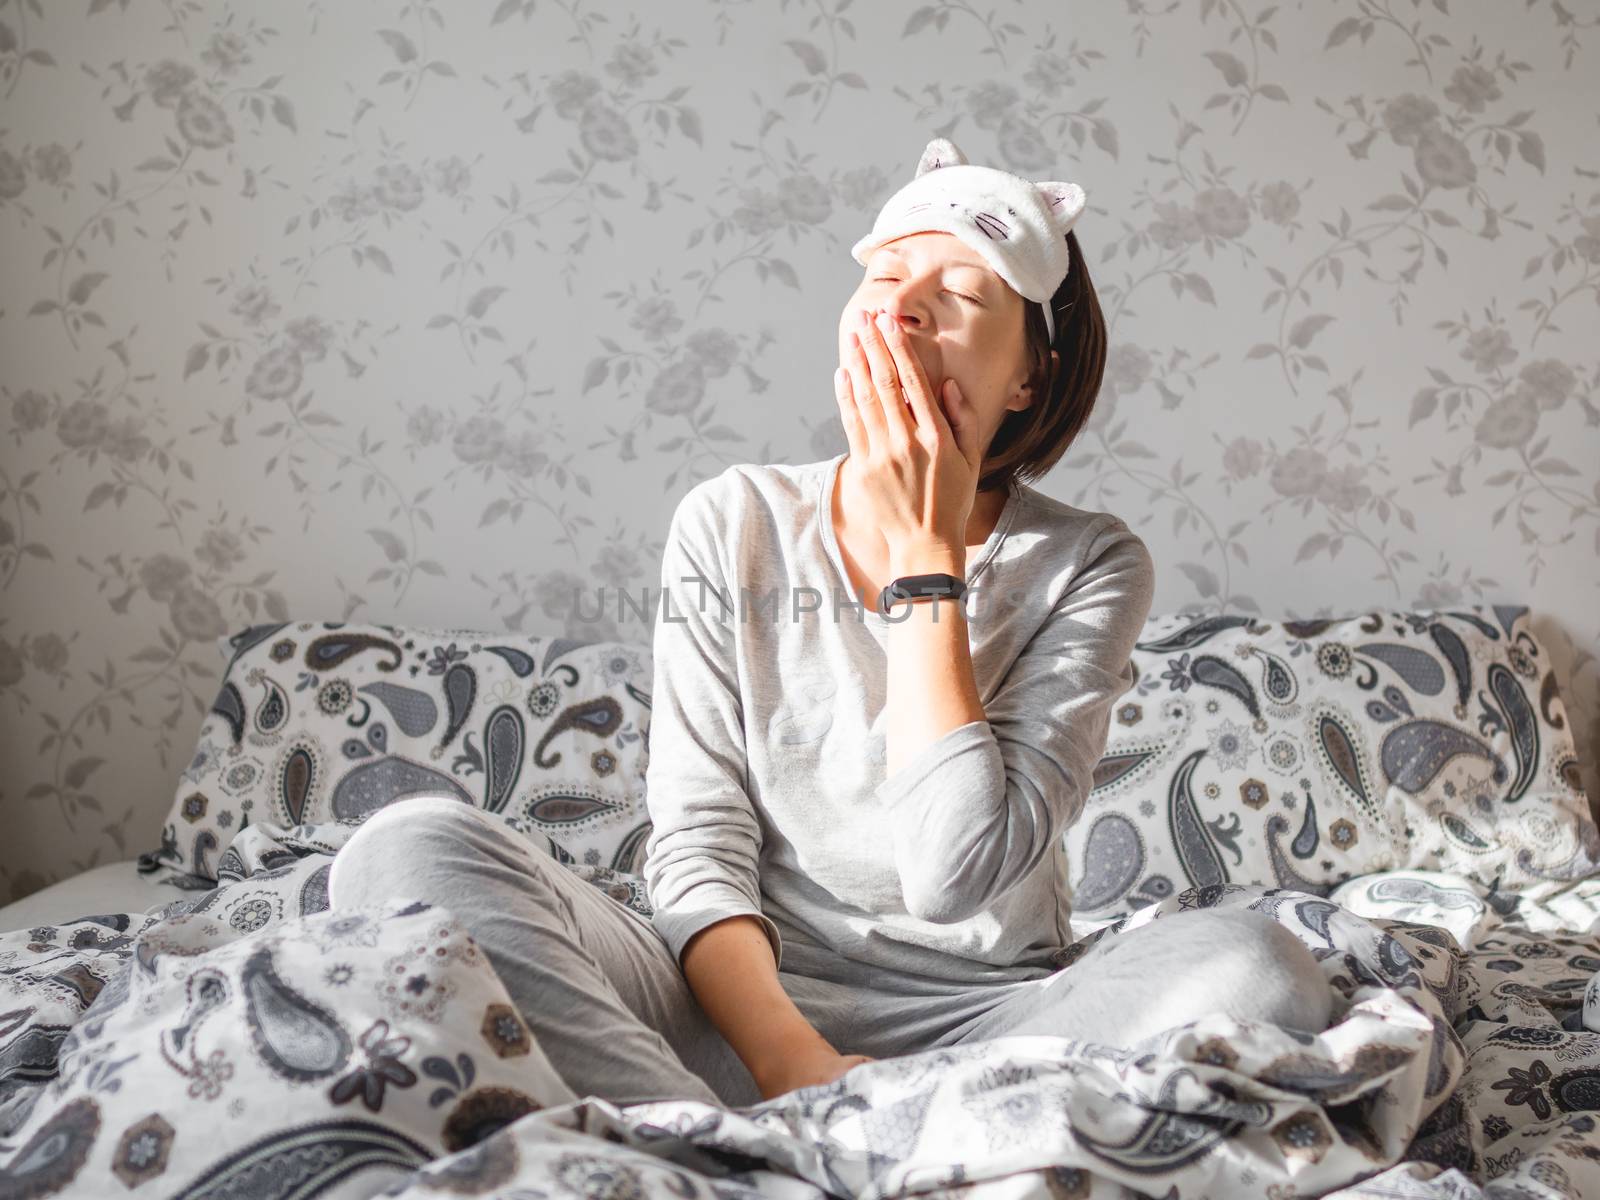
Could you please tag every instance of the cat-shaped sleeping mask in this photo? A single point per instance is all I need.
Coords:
(1020, 227)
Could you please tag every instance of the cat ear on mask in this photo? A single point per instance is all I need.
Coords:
(941, 152)
(1065, 201)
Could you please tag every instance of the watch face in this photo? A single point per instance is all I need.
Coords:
(921, 587)
(934, 585)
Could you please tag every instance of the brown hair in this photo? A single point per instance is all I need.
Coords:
(1030, 442)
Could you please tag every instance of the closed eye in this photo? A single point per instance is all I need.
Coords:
(963, 295)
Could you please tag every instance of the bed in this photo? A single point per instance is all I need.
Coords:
(110, 887)
(208, 1027)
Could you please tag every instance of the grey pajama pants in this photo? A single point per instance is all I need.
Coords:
(599, 988)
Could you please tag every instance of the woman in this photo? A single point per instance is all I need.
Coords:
(858, 806)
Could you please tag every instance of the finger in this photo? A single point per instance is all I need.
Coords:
(924, 412)
(868, 407)
(854, 432)
(886, 383)
(963, 424)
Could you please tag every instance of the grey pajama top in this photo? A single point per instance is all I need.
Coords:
(766, 780)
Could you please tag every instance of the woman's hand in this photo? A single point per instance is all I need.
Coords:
(921, 467)
(822, 1065)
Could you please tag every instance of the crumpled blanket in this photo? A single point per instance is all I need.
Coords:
(1458, 1064)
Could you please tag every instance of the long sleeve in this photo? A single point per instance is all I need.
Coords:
(979, 807)
(702, 853)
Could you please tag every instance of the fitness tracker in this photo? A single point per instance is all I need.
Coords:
(921, 587)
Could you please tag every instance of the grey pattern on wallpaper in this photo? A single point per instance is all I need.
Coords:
(429, 314)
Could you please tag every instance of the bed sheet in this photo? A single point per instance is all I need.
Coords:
(1462, 1062)
(110, 887)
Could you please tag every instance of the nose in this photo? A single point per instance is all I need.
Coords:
(904, 320)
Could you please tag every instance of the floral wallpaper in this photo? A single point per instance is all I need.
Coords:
(429, 313)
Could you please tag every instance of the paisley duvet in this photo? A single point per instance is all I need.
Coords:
(243, 1040)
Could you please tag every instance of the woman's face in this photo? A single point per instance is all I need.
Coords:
(961, 319)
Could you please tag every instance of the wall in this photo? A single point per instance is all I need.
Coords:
(427, 313)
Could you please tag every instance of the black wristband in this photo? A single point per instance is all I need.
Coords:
(922, 587)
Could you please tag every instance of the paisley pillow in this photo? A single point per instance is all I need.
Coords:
(329, 722)
(1302, 753)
